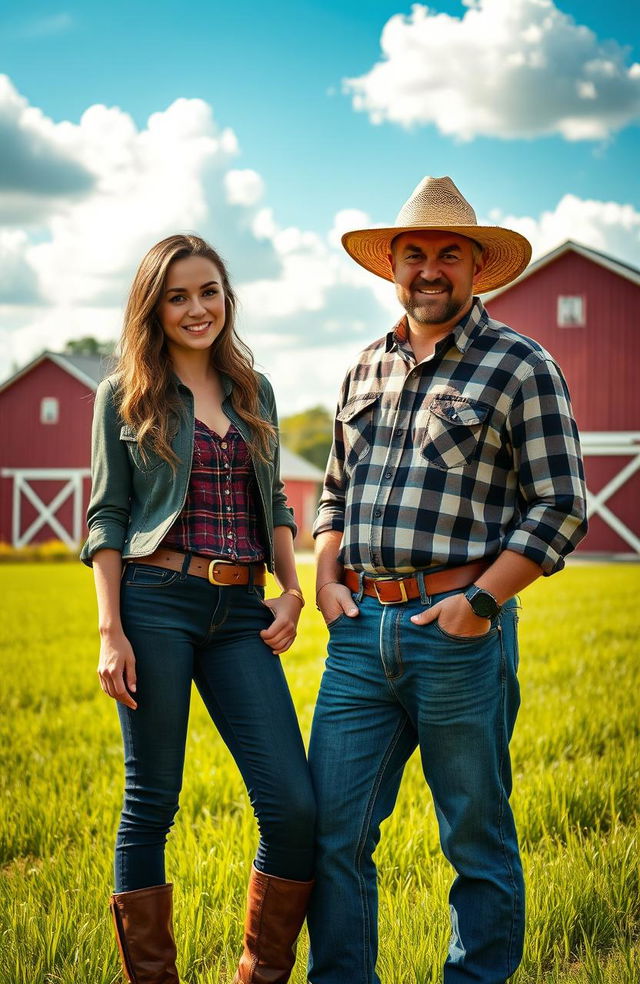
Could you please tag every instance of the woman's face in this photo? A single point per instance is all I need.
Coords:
(191, 309)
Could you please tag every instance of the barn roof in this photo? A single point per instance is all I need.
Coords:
(570, 246)
(293, 466)
(89, 369)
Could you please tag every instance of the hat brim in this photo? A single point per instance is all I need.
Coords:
(506, 253)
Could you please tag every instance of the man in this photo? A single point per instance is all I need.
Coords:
(454, 481)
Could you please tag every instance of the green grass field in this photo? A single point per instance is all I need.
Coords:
(576, 763)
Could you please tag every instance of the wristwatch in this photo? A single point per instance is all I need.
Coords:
(482, 602)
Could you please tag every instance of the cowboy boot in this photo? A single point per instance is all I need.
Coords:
(276, 908)
(145, 935)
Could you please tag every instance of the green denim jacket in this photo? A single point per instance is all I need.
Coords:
(134, 502)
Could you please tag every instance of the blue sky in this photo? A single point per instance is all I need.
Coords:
(540, 133)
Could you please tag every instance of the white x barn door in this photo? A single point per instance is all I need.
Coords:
(609, 444)
(46, 511)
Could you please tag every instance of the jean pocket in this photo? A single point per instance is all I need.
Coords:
(462, 639)
(336, 621)
(146, 576)
(258, 595)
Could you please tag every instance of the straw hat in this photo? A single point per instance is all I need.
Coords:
(437, 204)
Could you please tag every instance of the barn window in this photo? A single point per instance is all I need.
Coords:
(49, 410)
(571, 311)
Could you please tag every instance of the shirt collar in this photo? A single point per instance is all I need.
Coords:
(471, 325)
(463, 333)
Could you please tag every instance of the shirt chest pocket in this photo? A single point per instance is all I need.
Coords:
(356, 418)
(145, 463)
(454, 432)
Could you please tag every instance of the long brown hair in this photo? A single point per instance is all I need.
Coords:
(148, 400)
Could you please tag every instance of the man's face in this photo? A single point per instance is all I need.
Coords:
(433, 274)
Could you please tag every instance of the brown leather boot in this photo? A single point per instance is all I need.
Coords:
(276, 908)
(145, 935)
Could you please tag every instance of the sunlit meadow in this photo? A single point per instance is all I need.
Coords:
(576, 762)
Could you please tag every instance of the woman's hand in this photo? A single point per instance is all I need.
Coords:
(117, 668)
(281, 633)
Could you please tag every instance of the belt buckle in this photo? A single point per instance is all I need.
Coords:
(211, 572)
(396, 601)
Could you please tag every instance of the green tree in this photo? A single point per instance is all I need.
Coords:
(88, 346)
(309, 434)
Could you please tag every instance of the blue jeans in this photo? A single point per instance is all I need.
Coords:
(388, 686)
(182, 628)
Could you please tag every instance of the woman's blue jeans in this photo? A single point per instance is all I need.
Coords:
(389, 686)
(181, 629)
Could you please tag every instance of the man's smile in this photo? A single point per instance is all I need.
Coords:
(431, 290)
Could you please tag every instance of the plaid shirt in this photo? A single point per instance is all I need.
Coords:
(218, 518)
(470, 452)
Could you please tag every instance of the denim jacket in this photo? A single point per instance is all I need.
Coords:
(135, 501)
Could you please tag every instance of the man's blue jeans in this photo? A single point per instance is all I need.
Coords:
(388, 686)
(182, 628)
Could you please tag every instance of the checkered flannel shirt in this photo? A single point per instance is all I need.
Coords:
(219, 517)
(470, 452)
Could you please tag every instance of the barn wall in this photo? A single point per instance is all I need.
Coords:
(303, 499)
(27, 443)
(600, 359)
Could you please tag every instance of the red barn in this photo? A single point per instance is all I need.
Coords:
(46, 410)
(583, 307)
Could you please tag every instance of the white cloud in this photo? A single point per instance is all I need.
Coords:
(40, 172)
(610, 227)
(345, 220)
(243, 187)
(67, 274)
(148, 184)
(19, 283)
(306, 308)
(507, 68)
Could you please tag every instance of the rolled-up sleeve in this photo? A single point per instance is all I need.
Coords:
(547, 458)
(331, 507)
(108, 512)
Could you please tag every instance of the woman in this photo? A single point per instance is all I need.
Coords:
(187, 507)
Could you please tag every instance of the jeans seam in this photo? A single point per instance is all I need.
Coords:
(214, 626)
(128, 788)
(503, 743)
(366, 824)
(391, 677)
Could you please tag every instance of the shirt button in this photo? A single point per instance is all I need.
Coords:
(387, 474)
(227, 492)
(399, 432)
(224, 445)
(378, 513)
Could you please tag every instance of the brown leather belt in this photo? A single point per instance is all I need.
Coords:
(393, 591)
(223, 573)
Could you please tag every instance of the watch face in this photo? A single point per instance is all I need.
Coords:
(483, 604)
